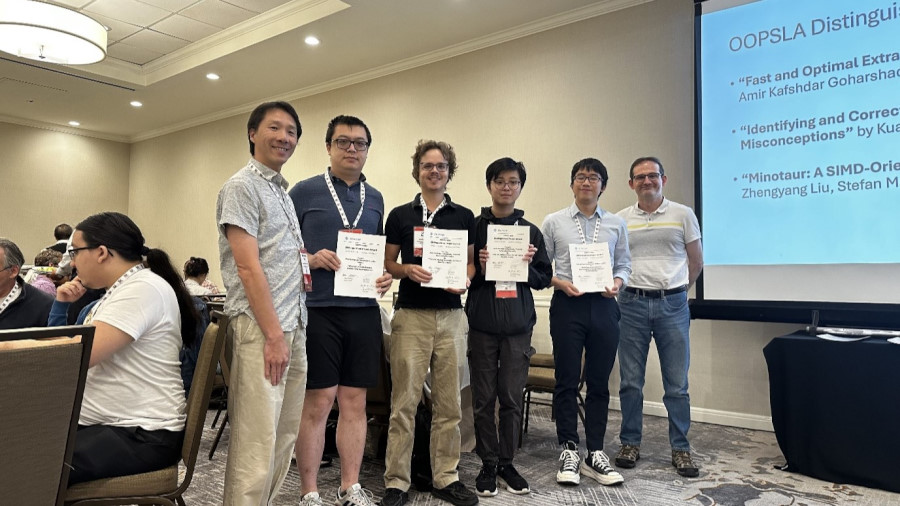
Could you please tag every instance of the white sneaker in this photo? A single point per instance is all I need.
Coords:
(568, 469)
(354, 496)
(596, 466)
(311, 499)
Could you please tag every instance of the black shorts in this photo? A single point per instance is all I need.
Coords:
(343, 345)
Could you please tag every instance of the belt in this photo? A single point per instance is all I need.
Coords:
(642, 292)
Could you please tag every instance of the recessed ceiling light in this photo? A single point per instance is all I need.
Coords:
(135, 103)
(212, 76)
(311, 41)
(74, 123)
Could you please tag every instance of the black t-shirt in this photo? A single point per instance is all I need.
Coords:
(399, 229)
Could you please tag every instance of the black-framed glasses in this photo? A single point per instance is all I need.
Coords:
(513, 185)
(73, 251)
(441, 167)
(344, 143)
(7, 267)
(652, 176)
(594, 179)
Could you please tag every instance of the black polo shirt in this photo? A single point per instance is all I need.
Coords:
(399, 229)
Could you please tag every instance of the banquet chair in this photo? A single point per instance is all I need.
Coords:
(42, 387)
(163, 486)
(542, 379)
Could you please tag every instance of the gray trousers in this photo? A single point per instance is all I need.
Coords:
(499, 369)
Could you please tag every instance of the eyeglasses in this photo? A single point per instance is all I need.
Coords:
(441, 167)
(513, 185)
(344, 143)
(594, 179)
(5, 268)
(73, 251)
(652, 176)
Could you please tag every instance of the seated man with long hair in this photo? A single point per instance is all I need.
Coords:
(133, 413)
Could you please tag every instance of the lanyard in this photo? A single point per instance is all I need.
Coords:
(581, 230)
(340, 208)
(118, 283)
(11, 297)
(425, 219)
(280, 193)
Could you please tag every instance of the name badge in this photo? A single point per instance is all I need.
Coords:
(307, 275)
(505, 289)
(352, 230)
(418, 241)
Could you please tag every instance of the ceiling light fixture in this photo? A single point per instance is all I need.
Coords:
(50, 33)
(311, 41)
(74, 123)
(135, 103)
(212, 76)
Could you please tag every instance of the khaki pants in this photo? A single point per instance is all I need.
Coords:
(421, 338)
(264, 419)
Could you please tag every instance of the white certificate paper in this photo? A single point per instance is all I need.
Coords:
(591, 267)
(507, 246)
(362, 262)
(445, 256)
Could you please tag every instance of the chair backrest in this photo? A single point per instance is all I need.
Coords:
(41, 388)
(198, 398)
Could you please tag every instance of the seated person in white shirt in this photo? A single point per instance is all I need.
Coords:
(195, 271)
(133, 413)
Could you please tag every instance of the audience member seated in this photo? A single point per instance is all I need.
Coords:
(46, 259)
(133, 412)
(62, 233)
(21, 305)
(195, 272)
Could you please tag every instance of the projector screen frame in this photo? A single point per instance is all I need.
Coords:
(840, 314)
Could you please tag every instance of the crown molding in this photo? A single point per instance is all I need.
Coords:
(63, 129)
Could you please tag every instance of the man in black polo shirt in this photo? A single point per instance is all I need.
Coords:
(429, 329)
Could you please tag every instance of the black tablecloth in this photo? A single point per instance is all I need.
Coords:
(836, 408)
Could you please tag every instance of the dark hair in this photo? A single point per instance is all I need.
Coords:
(502, 165)
(62, 231)
(13, 256)
(260, 112)
(350, 121)
(118, 233)
(425, 146)
(643, 159)
(593, 165)
(195, 267)
(47, 258)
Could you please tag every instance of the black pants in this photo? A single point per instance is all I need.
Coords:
(102, 451)
(498, 366)
(586, 324)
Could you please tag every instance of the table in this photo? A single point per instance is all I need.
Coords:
(836, 408)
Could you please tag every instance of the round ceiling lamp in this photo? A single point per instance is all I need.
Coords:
(50, 33)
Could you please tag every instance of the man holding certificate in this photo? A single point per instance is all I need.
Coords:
(589, 248)
(512, 261)
(664, 238)
(341, 214)
(435, 237)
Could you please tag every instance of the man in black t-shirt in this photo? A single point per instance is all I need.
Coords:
(429, 329)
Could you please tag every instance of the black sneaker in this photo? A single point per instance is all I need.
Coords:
(628, 455)
(568, 468)
(486, 482)
(394, 497)
(596, 466)
(513, 480)
(456, 494)
(684, 464)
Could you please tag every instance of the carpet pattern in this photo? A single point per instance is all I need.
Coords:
(736, 468)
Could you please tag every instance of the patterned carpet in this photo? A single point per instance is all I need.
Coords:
(736, 469)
